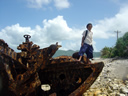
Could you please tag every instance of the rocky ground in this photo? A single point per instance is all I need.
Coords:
(113, 80)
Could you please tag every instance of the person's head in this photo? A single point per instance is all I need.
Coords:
(89, 26)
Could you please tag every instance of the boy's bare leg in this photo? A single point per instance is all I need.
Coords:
(80, 58)
(88, 61)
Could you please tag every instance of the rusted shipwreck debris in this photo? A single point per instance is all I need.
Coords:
(25, 73)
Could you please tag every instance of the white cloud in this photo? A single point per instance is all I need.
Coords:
(59, 29)
(55, 30)
(105, 28)
(94, 47)
(59, 4)
(37, 3)
(13, 35)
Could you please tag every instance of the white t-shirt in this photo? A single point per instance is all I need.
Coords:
(88, 38)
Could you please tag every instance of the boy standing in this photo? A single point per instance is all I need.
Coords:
(86, 44)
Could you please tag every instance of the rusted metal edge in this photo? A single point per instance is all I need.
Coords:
(97, 68)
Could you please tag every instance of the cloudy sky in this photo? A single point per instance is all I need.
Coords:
(63, 21)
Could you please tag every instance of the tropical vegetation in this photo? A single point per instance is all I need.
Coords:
(119, 50)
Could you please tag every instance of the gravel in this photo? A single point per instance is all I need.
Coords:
(113, 80)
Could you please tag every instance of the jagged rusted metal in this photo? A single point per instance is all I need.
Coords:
(24, 73)
(68, 77)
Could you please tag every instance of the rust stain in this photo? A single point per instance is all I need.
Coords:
(23, 73)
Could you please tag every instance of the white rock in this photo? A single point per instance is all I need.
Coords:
(97, 92)
(112, 94)
(109, 91)
(119, 94)
(110, 82)
(85, 94)
(114, 86)
(126, 82)
(124, 90)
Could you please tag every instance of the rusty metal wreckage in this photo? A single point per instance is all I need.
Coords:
(23, 73)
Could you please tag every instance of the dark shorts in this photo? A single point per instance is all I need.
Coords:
(88, 49)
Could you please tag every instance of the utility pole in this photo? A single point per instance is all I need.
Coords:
(117, 33)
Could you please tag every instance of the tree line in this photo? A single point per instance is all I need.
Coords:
(119, 50)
